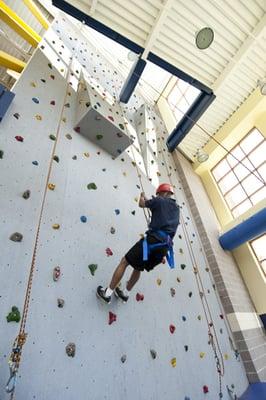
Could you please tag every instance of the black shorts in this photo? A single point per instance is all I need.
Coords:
(135, 255)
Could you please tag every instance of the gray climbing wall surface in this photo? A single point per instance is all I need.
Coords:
(158, 345)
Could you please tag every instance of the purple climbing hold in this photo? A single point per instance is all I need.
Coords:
(83, 218)
(117, 211)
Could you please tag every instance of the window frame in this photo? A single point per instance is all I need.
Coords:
(239, 181)
(255, 254)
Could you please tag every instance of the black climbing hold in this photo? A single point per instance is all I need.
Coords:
(16, 115)
(183, 266)
(74, 157)
(60, 303)
(56, 158)
(1, 154)
(71, 349)
(26, 194)
(99, 137)
(153, 354)
(123, 358)
(112, 230)
(35, 163)
(14, 315)
(68, 136)
(52, 137)
(186, 347)
(133, 212)
(16, 237)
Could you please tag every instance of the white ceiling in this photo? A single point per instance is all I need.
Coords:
(230, 67)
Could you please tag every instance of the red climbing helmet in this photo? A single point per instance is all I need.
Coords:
(165, 187)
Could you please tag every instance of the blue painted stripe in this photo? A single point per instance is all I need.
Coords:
(132, 80)
(255, 391)
(6, 98)
(246, 230)
(98, 26)
(178, 72)
(195, 111)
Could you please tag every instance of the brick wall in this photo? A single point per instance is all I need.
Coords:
(248, 334)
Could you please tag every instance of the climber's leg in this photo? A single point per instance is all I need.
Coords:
(134, 277)
(119, 273)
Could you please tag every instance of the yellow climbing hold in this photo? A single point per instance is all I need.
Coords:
(199, 317)
(195, 270)
(62, 70)
(38, 117)
(136, 199)
(173, 362)
(86, 154)
(124, 173)
(51, 186)
(178, 279)
(201, 354)
(181, 251)
(64, 119)
(226, 356)
(33, 84)
(159, 281)
(56, 226)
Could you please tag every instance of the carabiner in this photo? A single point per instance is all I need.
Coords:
(11, 383)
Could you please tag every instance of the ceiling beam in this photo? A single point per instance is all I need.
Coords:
(155, 31)
(243, 52)
(93, 7)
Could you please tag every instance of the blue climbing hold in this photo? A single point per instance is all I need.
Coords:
(184, 318)
(83, 218)
(187, 398)
(35, 163)
(35, 100)
(117, 211)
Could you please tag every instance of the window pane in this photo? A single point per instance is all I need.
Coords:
(178, 115)
(174, 96)
(182, 85)
(240, 171)
(258, 155)
(235, 197)
(228, 182)
(251, 141)
(191, 94)
(262, 171)
(258, 196)
(251, 184)
(220, 170)
(243, 207)
(259, 247)
(238, 153)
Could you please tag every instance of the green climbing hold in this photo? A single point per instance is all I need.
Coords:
(92, 268)
(99, 137)
(121, 126)
(14, 315)
(1, 154)
(183, 266)
(56, 158)
(52, 137)
(91, 186)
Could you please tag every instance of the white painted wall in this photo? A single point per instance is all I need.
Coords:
(96, 372)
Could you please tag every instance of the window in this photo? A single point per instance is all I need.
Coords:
(241, 175)
(259, 248)
(181, 97)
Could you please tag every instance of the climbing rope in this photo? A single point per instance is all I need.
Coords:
(213, 338)
(16, 353)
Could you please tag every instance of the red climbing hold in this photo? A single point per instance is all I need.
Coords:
(52, 103)
(108, 252)
(19, 138)
(221, 316)
(77, 129)
(111, 118)
(172, 328)
(139, 297)
(205, 389)
(56, 273)
(112, 317)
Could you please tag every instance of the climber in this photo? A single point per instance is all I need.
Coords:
(151, 250)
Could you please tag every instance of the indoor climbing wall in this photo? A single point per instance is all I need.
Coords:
(71, 207)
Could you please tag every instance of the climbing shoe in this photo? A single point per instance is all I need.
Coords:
(120, 295)
(101, 294)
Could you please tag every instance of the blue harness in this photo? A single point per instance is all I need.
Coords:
(168, 243)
